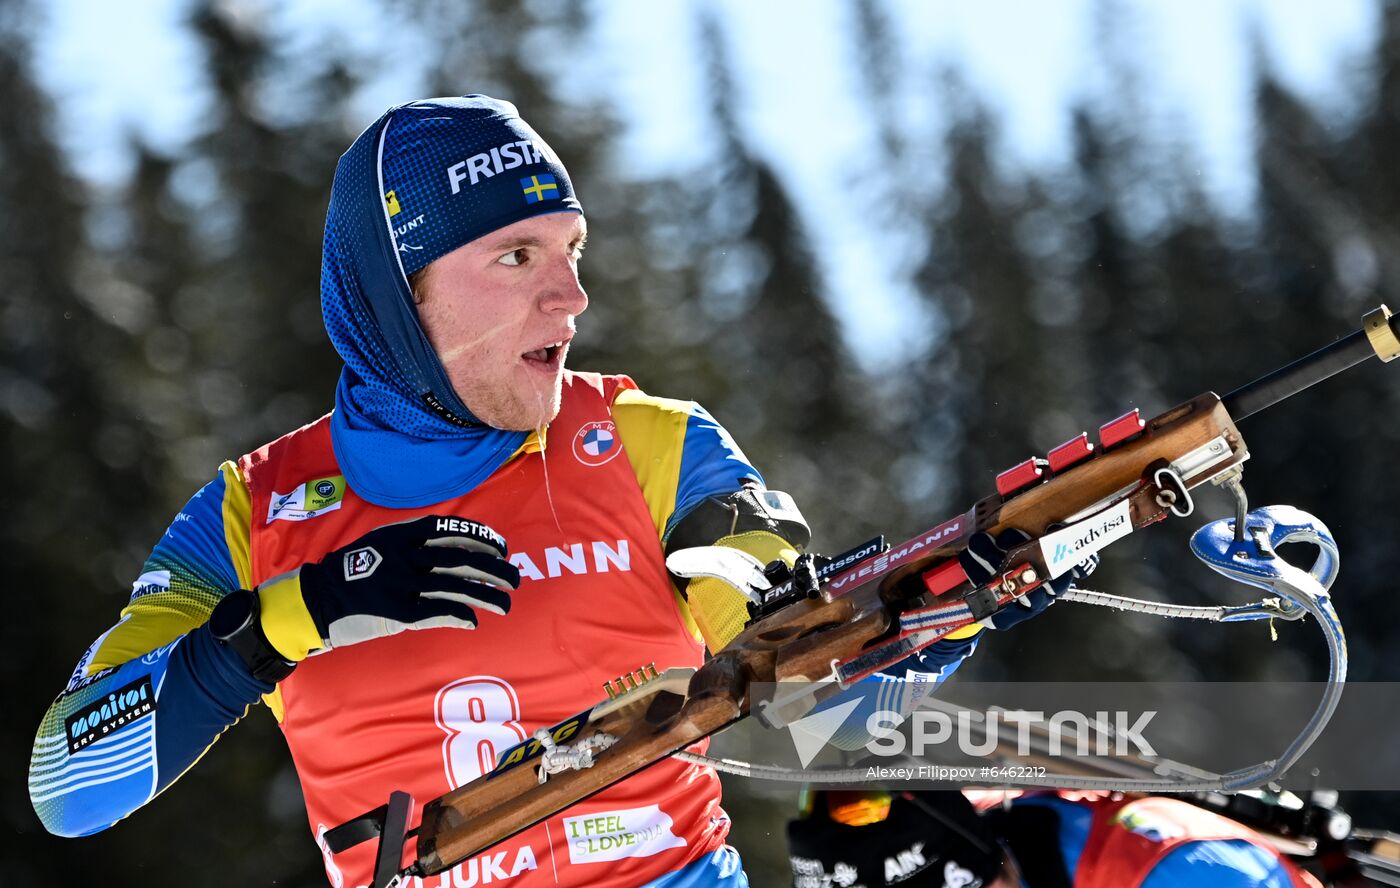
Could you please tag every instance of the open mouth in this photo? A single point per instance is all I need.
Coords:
(547, 358)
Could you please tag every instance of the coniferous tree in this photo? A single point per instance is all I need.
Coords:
(79, 452)
(149, 332)
(200, 337)
(793, 393)
(1320, 245)
(271, 145)
(256, 361)
(978, 281)
(781, 377)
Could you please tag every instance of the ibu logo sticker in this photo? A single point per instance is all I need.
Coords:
(596, 443)
(315, 497)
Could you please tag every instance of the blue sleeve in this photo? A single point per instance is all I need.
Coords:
(680, 454)
(899, 689)
(1232, 863)
(712, 463)
(153, 692)
(936, 662)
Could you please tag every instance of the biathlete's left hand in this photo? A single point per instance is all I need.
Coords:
(985, 557)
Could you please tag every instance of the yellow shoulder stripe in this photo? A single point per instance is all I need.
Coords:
(238, 526)
(653, 435)
(238, 522)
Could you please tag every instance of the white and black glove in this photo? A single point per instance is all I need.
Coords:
(437, 571)
(428, 573)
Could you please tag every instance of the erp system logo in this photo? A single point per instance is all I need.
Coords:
(596, 443)
(105, 715)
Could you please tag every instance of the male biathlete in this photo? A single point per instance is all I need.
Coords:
(464, 481)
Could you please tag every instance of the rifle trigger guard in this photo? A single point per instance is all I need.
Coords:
(1173, 495)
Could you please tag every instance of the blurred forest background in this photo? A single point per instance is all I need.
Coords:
(151, 330)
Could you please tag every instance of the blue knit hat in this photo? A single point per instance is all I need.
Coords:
(456, 169)
(418, 183)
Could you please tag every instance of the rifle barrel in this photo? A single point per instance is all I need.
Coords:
(1327, 361)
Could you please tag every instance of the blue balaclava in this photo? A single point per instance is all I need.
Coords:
(420, 182)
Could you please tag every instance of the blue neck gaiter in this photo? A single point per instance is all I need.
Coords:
(420, 182)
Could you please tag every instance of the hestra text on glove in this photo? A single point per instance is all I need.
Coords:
(432, 572)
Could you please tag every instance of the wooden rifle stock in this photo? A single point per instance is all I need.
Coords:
(859, 615)
(799, 642)
(476, 816)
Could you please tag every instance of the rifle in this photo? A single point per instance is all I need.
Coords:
(836, 621)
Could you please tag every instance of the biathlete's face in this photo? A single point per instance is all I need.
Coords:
(499, 311)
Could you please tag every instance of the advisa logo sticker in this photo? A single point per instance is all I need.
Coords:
(1068, 546)
(316, 497)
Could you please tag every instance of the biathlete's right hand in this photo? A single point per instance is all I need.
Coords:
(431, 572)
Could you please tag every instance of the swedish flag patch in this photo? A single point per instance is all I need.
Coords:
(538, 188)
